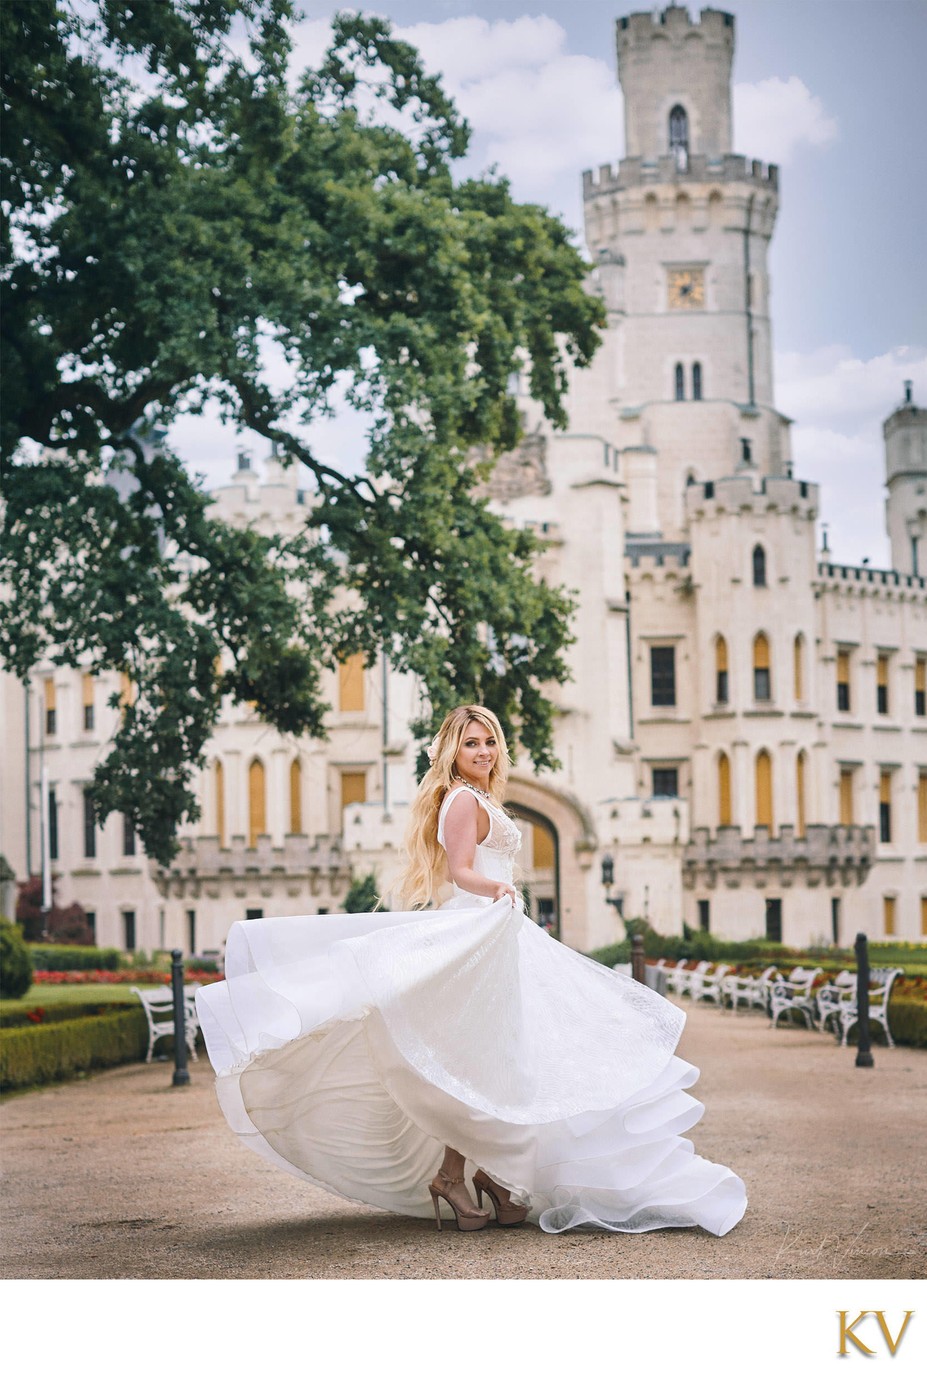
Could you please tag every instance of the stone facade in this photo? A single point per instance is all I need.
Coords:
(743, 739)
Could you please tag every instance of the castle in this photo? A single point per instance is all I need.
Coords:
(743, 744)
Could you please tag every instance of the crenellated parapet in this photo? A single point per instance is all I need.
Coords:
(759, 495)
(205, 867)
(862, 580)
(636, 172)
(828, 855)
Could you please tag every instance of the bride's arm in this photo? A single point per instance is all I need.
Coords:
(460, 833)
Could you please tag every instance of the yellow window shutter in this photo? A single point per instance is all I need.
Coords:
(296, 797)
(764, 807)
(257, 801)
(351, 684)
(724, 789)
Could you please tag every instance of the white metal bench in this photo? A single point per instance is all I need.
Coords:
(159, 1013)
(710, 985)
(750, 989)
(674, 975)
(793, 995)
(832, 996)
(688, 980)
(880, 988)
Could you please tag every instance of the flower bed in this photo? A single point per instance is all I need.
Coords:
(120, 976)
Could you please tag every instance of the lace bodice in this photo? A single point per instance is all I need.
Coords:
(495, 855)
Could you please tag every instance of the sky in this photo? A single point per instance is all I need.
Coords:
(831, 90)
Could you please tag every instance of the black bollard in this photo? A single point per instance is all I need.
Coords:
(638, 968)
(863, 1052)
(181, 1074)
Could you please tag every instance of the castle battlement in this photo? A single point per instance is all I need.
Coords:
(748, 493)
(861, 578)
(635, 172)
(676, 25)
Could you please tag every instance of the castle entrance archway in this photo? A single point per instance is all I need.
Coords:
(558, 841)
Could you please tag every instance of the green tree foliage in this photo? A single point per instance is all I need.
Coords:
(363, 895)
(15, 961)
(178, 207)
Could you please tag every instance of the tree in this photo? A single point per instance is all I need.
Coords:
(165, 231)
(66, 925)
(363, 895)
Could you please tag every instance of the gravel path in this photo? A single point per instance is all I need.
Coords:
(123, 1176)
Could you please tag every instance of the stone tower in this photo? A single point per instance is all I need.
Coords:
(905, 433)
(680, 230)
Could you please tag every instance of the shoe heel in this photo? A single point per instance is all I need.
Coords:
(434, 1197)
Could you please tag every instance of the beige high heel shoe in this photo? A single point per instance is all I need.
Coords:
(467, 1215)
(508, 1212)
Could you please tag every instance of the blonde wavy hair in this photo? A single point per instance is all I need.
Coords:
(426, 871)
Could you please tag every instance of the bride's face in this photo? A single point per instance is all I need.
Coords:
(477, 753)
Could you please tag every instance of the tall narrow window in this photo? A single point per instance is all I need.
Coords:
(679, 137)
(353, 788)
(800, 794)
(764, 795)
(882, 684)
(762, 685)
(704, 914)
(798, 659)
(52, 823)
(662, 675)
(51, 708)
(191, 931)
(920, 686)
(759, 567)
(351, 684)
(721, 673)
(885, 807)
(680, 382)
(843, 681)
(296, 796)
(888, 915)
(90, 828)
(128, 930)
(774, 919)
(724, 789)
(846, 795)
(128, 836)
(696, 381)
(257, 801)
(220, 803)
(87, 701)
(922, 807)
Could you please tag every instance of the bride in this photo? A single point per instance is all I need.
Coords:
(387, 1057)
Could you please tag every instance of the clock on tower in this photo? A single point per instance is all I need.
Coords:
(687, 289)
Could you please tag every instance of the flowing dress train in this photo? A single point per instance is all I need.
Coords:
(350, 1049)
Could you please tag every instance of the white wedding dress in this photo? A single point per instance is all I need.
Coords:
(350, 1049)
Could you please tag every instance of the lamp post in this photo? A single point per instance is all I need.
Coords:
(863, 1051)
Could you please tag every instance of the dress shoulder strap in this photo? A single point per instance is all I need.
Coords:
(445, 806)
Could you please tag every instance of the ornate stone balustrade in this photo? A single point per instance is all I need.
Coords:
(299, 864)
(826, 854)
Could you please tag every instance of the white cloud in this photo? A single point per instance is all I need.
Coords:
(838, 402)
(774, 118)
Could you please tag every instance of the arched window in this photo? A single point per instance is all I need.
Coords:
(680, 382)
(724, 789)
(257, 802)
(759, 567)
(679, 137)
(696, 381)
(764, 797)
(762, 685)
(798, 657)
(220, 802)
(296, 797)
(800, 819)
(721, 679)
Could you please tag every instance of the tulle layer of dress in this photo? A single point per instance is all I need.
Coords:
(350, 1049)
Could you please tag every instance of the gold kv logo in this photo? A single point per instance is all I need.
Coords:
(848, 1332)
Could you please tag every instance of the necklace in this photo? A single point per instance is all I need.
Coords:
(479, 791)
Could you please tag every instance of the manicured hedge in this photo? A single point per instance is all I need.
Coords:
(44, 1052)
(75, 957)
(42, 1015)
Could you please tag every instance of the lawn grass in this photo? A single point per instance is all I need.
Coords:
(40, 995)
